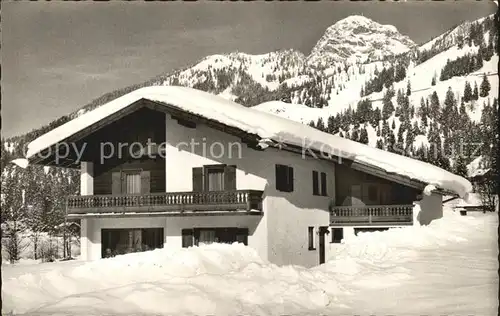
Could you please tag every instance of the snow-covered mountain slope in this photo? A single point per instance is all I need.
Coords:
(357, 38)
(418, 75)
(227, 70)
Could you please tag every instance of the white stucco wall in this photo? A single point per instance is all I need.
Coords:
(283, 228)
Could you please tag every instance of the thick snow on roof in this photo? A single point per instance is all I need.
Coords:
(268, 127)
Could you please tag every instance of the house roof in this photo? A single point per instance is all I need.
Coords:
(272, 130)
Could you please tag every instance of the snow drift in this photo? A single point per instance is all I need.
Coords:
(448, 267)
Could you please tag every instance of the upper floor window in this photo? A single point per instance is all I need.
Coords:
(214, 178)
(130, 182)
(319, 183)
(284, 178)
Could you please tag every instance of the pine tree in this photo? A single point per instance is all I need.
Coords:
(391, 142)
(467, 92)
(434, 106)
(320, 125)
(380, 144)
(484, 87)
(408, 88)
(449, 107)
(385, 128)
(355, 135)
(332, 125)
(363, 136)
(475, 94)
(393, 126)
(459, 167)
(433, 82)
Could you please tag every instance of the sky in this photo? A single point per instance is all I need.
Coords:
(59, 56)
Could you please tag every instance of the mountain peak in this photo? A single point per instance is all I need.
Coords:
(358, 38)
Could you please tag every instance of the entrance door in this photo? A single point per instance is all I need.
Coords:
(322, 232)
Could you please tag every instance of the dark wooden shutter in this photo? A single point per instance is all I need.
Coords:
(196, 236)
(310, 237)
(198, 179)
(323, 184)
(187, 238)
(116, 183)
(242, 236)
(230, 177)
(279, 170)
(290, 179)
(145, 182)
(315, 183)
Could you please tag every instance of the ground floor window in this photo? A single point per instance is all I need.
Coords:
(369, 229)
(208, 235)
(337, 235)
(122, 241)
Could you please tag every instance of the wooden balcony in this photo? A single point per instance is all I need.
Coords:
(372, 215)
(169, 203)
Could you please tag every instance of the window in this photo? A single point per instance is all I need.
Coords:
(310, 231)
(284, 178)
(132, 182)
(214, 178)
(369, 230)
(122, 241)
(337, 235)
(205, 236)
(319, 183)
(187, 238)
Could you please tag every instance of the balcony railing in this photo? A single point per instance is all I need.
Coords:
(170, 202)
(372, 215)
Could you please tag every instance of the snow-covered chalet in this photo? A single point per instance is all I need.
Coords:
(173, 166)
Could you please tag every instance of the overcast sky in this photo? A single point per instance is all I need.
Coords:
(58, 56)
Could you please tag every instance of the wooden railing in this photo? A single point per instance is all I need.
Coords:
(167, 202)
(372, 215)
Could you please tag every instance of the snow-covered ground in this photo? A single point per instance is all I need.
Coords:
(447, 268)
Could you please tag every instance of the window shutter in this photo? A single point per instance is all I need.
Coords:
(310, 233)
(290, 179)
(230, 177)
(323, 184)
(242, 236)
(315, 183)
(198, 179)
(279, 177)
(187, 238)
(145, 182)
(196, 236)
(116, 183)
